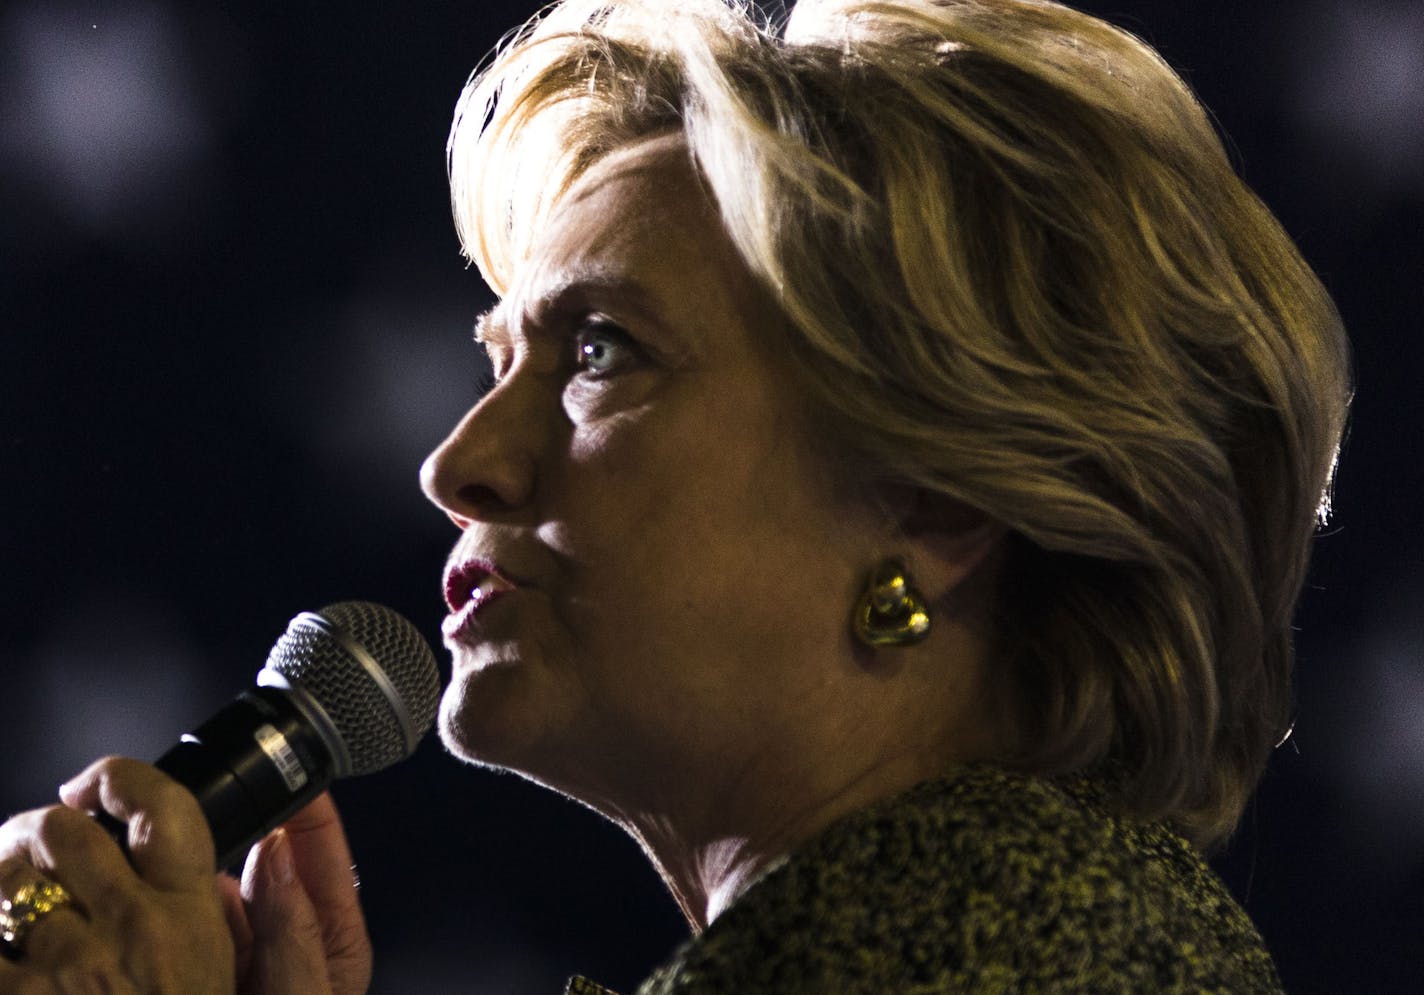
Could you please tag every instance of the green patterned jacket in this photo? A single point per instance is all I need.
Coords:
(986, 882)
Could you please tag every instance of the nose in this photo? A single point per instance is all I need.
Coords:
(485, 468)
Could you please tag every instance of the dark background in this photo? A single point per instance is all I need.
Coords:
(233, 319)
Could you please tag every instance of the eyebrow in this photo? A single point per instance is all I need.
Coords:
(632, 297)
(599, 279)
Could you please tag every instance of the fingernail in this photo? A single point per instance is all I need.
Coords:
(279, 857)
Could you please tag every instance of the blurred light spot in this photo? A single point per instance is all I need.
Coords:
(386, 389)
(114, 676)
(101, 120)
(1360, 80)
(1377, 758)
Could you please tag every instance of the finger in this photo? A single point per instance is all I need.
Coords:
(59, 950)
(53, 935)
(288, 954)
(123, 935)
(230, 892)
(15, 979)
(169, 842)
(71, 849)
(323, 863)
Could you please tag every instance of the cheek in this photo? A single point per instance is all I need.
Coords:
(650, 470)
(595, 406)
(685, 506)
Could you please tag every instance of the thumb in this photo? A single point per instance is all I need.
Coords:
(287, 953)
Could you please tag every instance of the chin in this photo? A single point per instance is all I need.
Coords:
(493, 717)
(453, 734)
(494, 720)
(471, 727)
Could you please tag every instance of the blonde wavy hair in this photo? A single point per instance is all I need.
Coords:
(1018, 271)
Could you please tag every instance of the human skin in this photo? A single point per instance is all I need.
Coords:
(676, 649)
(676, 653)
(160, 921)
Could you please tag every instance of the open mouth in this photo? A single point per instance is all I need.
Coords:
(474, 582)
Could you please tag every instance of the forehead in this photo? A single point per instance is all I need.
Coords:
(641, 207)
(661, 162)
(642, 220)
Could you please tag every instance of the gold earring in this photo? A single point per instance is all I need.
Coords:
(891, 612)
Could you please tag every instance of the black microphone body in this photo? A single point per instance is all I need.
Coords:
(252, 766)
(347, 690)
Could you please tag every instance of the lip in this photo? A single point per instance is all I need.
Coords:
(463, 581)
(470, 587)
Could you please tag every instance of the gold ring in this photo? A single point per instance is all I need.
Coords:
(32, 902)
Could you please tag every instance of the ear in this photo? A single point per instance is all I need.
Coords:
(950, 544)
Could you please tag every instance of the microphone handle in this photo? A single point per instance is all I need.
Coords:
(252, 766)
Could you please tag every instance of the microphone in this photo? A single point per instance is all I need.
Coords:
(348, 690)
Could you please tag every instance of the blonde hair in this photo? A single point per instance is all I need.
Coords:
(1018, 272)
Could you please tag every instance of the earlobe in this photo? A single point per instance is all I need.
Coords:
(891, 611)
(948, 543)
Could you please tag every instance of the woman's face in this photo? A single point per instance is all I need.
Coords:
(654, 575)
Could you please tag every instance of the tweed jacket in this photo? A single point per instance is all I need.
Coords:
(985, 882)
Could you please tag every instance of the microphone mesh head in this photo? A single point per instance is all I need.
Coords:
(360, 706)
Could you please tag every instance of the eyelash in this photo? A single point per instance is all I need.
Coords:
(604, 329)
(485, 378)
(488, 378)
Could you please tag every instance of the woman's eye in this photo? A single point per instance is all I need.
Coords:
(603, 348)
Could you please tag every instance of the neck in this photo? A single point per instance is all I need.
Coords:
(714, 816)
(710, 858)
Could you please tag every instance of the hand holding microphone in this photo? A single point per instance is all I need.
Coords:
(348, 690)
